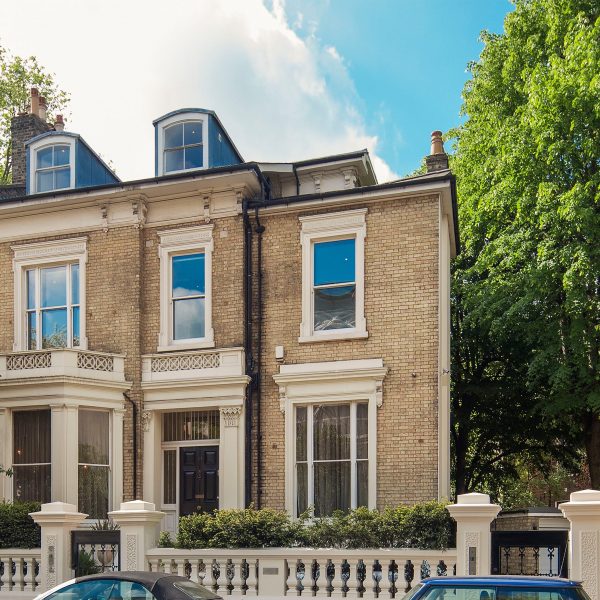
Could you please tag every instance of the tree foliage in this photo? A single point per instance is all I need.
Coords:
(528, 283)
(17, 76)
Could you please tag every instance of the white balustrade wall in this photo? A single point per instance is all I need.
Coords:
(305, 572)
(19, 573)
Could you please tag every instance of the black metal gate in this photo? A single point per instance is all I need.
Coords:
(530, 553)
(95, 552)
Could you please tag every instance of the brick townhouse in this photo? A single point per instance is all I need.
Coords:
(225, 332)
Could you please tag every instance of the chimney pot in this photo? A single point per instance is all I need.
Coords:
(59, 124)
(43, 108)
(34, 107)
(437, 144)
(438, 159)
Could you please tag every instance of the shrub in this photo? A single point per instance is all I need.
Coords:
(164, 540)
(426, 525)
(17, 529)
(238, 528)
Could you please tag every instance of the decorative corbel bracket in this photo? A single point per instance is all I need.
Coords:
(146, 419)
(206, 206)
(104, 217)
(379, 393)
(139, 210)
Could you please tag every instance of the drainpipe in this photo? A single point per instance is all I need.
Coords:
(259, 229)
(249, 360)
(135, 446)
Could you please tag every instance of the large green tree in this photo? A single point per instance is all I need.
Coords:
(527, 162)
(17, 76)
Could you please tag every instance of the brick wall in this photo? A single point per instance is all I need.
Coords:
(23, 128)
(401, 307)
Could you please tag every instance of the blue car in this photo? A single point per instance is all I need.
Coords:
(497, 587)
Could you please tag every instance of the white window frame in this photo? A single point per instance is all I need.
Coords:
(310, 460)
(40, 255)
(186, 240)
(46, 142)
(329, 227)
(173, 120)
(110, 454)
(344, 382)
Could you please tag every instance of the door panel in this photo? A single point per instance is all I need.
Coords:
(199, 478)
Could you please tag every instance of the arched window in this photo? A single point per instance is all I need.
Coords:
(53, 168)
(183, 146)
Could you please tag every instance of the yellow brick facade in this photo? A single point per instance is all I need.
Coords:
(402, 300)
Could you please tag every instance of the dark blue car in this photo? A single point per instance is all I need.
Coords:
(497, 587)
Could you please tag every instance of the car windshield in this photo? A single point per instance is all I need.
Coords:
(102, 589)
(194, 590)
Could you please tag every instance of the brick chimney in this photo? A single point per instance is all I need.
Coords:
(437, 159)
(23, 127)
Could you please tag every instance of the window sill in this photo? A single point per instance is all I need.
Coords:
(333, 336)
(195, 345)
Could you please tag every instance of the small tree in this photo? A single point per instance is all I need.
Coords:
(17, 76)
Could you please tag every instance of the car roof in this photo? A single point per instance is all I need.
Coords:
(145, 577)
(155, 582)
(496, 580)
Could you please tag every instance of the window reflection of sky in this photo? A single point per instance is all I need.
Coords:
(334, 262)
(188, 275)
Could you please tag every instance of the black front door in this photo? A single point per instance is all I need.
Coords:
(199, 477)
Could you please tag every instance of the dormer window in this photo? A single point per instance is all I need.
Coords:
(53, 168)
(183, 146)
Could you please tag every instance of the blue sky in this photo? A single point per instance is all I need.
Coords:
(290, 79)
(408, 61)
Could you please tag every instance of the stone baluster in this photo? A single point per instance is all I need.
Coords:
(29, 575)
(370, 581)
(292, 578)
(237, 579)
(425, 570)
(8, 573)
(211, 576)
(222, 580)
(316, 578)
(337, 581)
(251, 580)
(20, 574)
(352, 581)
(179, 566)
(194, 570)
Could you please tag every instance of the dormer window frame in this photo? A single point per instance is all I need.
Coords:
(43, 144)
(181, 118)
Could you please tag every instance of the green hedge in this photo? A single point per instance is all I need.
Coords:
(427, 526)
(17, 529)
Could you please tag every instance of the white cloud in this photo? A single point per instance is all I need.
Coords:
(281, 96)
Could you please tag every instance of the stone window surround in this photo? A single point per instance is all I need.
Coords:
(341, 381)
(44, 254)
(160, 139)
(329, 227)
(54, 140)
(64, 444)
(180, 241)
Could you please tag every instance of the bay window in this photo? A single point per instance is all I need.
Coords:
(332, 457)
(94, 462)
(31, 455)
